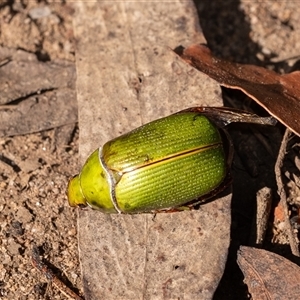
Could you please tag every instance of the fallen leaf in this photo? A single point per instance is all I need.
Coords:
(172, 256)
(37, 113)
(269, 275)
(23, 75)
(38, 96)
(278, 94)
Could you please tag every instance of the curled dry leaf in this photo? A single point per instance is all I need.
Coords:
(278, 94)
(269, 275)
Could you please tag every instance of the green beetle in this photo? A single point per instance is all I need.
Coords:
(162, 165)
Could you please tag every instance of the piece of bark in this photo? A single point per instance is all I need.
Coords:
(269, 275)
(278, 94)
(263, 208)
(293, 240)
(127, 76)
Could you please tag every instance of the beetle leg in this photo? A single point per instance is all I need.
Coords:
(223, 116)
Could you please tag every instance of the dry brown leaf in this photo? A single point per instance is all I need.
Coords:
(278, 94)
(269, 275)
(178, 255)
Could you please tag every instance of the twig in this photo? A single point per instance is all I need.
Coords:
(8, 107)
(282, 194)
(5, 60)
(37, 262)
